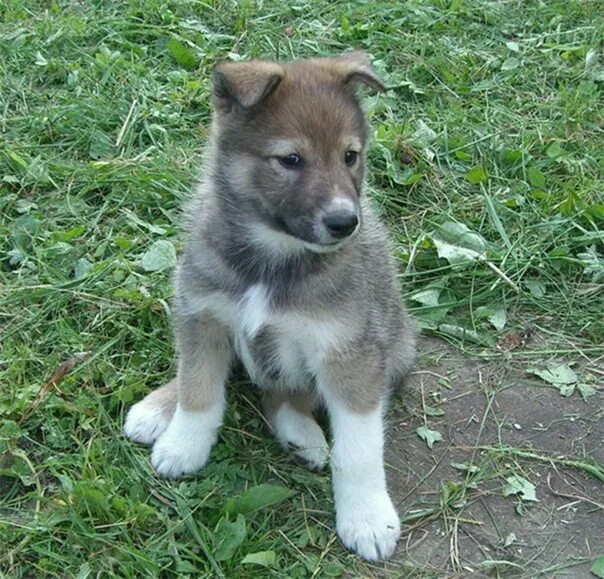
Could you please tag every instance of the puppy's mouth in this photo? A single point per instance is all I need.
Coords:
(325, 247)
(281, 239)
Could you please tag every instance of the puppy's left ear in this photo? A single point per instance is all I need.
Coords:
(356, 68)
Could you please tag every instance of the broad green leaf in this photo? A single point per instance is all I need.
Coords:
(428, 436)
(101, 146)
(228, 537)
(37, 171)
(430, 319)
(598, 567)
(509, 540)
(511, 156)
(256, 498)
(585, 390)
(466, 334)
(458, 244)
(536, 178)
(82, 267)
(422, 136)
(485, 84)
(555, 150)
(556, 374)
(427, 297)
(464, 467)
(17, 160)
(90, 499)
(510, 63)
(161, 255)
(517, 485)
(430, 411)
(593, 264)
(499, 318)
(149, 226)
(263, 558)
(536, 288)
(596, 211)
(496, 314)
(476, 175)
(25, 206)
(181, 53)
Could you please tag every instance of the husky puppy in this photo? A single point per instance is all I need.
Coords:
(286, 268)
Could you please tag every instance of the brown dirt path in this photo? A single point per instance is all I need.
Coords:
(475, 530)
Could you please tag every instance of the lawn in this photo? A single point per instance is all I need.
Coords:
(487, 162)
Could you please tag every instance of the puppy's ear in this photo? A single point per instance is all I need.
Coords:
(356, 68)
(245, 84)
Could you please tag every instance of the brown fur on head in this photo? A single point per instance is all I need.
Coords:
(291, 141)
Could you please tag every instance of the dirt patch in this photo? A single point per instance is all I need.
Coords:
(506, 429)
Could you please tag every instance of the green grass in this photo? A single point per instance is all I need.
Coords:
(494, 120)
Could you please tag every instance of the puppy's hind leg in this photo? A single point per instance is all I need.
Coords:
(290, 417)
(148, 419)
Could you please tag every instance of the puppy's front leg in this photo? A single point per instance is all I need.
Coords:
(366, 520)
(204, 364)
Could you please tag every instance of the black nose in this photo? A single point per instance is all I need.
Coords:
(341, 224)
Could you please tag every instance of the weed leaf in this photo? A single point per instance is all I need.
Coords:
(556, 374)
(228, 537)
(256, 498)
(598, 567)
(517, 485)
(431, 411)
(496, 314)
(535, 288)
(429, 436)
(466, 334)
(465, 467)
(585, 390)
(422, 136)
(263, 558)
(161, 255)
(593, 263)
(456, 243)
(427, 297)
(510, 63)
(476, 175)
(181, 53)
(536, 178)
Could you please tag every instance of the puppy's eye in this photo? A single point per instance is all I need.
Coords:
(351, 158)
(293, 161)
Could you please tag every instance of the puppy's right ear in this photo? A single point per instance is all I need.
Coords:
(245, 84)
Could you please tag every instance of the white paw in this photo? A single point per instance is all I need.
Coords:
(314, 458)
(175, 455)
(368, 525)
(302, 435)
(186, 444)
(145, 422)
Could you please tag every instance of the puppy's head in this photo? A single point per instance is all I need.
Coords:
(291, 140)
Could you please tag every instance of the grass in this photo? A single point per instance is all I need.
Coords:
(487, 162)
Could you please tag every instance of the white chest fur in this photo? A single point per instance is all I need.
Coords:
(300, 341)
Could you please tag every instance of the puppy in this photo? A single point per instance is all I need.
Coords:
(286, 268)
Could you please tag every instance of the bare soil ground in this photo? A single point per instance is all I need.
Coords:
(500, 422)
